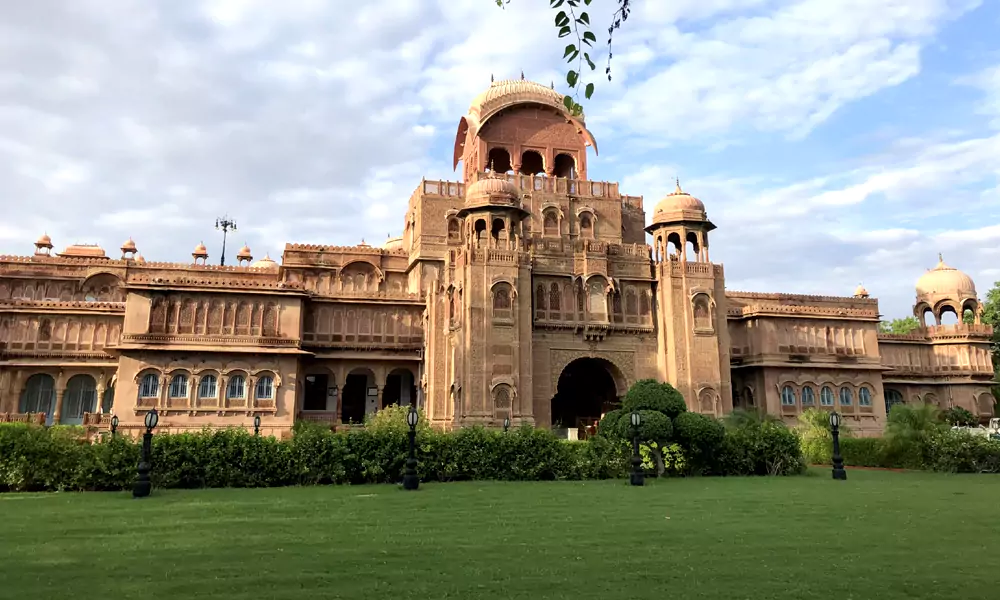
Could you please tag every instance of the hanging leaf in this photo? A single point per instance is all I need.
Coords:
(590, 91)
(562, 19)
(571, 78)
(570, 48)
(568, 102)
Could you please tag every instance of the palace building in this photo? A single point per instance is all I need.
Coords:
(524, 290)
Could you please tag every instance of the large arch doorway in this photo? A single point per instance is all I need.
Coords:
(400, 389)
(80, 397)
(39, 396)
(358, 396)
(587, 389)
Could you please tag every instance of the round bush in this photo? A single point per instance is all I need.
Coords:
(614, 425)
(655, 426)
(649, 394)
(695, 431)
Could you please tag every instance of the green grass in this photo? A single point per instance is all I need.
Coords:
(878, 535)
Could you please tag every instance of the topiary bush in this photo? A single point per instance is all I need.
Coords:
(649, 394)
(700, 436)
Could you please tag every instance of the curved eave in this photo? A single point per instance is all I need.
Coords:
(468, 210)
(460, 137)
(705, 224)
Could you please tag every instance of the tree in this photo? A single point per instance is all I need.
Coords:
(991, 316)
(571, 20)
(899, 326)
(659, 405)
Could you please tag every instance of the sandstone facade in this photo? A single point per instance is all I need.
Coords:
(525, 291)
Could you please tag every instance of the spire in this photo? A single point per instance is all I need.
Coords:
(678, 190)
(553, 84)
(491, 77)
(522, 74)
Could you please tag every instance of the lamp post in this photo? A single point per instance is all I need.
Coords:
(114, 425)
(637, 477)
(256, 424)
(142, 485)
(838, 460)
(225, 224)
(410, 479)
(506, 424)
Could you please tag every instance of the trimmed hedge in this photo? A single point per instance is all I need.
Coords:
(944, 451)
(34, 458)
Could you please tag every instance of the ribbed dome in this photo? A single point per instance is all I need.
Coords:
(945, 281)
(244, 253)
(508, 91)
(265, 263)
(491, 186)
(128, 246)
(678, 206)
(200, 250)
(393, 243)
(44, 242)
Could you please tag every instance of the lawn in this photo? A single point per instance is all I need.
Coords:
(878, 535)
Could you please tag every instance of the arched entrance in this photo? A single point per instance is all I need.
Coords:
(360, 396)
(587, 388)
(400, 389)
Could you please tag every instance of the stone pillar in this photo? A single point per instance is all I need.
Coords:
(57, 413)
(99, 409)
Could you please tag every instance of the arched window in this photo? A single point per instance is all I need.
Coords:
(498, 160)
(208, 388)
(586, 226)
(808, 396)
(237, 388)
(564, 166)
(550, 224)
(532, 163)
(631, 302)
(644, 303)
(454, 230)
(502, 301)
(864, 397)
(826, 396)
(540, 298)
(265, 387)
(179, 386)
(149, 387)
(554, 297)
(846, 396)
(39, 394)
(80, 397)
(787, 396)
(702, 313)
(503, 397)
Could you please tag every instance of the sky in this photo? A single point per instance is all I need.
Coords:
(833, 142)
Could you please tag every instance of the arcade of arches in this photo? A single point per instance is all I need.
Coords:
(360, 395)
(586, 390)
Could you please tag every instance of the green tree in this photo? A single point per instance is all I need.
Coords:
(899, 326)
(658, 405)
(991, 316)
(572, 21)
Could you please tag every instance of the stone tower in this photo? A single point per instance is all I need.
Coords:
(692, 332)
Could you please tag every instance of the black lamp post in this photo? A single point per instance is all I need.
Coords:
(410, 479)
(637, 477)
(838, 460)
(256, 424)
(506, 424)
(114, 425)
(142, 485)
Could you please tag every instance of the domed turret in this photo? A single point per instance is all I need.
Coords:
(492, 191)
(244, 255)
(128, 249)
(43, 245)
(200, 253)
(860, 292)
(679, 206)
(945, 289)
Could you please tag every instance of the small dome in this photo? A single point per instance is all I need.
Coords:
(128, 246)
(44, 241)
(244, 253)
(265, 263)
(200, 250)
(860, 292)
(393, 243)
(139, 259)
(490, 187)
(944, 281)
(678, 200)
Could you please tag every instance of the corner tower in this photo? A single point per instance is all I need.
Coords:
(522, 127)
(489, 309)
(690, 298)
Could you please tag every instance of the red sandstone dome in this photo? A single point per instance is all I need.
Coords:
(244, 253)
(44, 242)
(945, 281)
(128, 246)
(265, 263)
(200, 250)
(679, 206)
(507, 92)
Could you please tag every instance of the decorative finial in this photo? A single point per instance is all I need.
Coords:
(940, 258)
(522, 74)
(553, 84)
(491, 165)
(491, 77)
(678, 190)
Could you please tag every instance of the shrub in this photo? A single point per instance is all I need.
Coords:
(649, 394)
(960, 417)
(907, 431)
(700, 436)
(764, 448)
(817, 437)
(961, 452)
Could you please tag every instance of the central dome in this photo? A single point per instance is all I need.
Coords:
(515, 91)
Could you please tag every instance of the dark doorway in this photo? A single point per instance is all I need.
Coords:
(585, 391)
(315, 394)
(399, 389)
(532, 163)
(354, 398)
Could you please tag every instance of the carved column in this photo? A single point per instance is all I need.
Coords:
(99, 390)
(57, 413)
(161, 400)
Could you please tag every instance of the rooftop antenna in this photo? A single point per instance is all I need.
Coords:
(225, 224)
